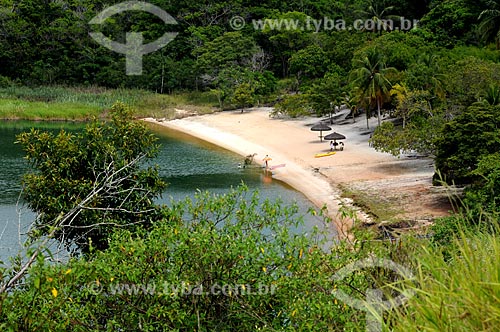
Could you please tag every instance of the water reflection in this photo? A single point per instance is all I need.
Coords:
(266, 176)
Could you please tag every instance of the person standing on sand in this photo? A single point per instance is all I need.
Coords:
(266, 159)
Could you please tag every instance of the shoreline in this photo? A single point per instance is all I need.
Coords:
(291, 142)
(314, 186)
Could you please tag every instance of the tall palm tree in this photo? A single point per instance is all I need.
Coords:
(369, 77)
(350, 101)
(436, 78)
(378, 13)
(489, 28)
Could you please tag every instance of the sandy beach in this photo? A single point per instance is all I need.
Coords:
(403, 183)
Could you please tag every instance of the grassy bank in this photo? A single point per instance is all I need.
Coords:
(64, 103)
(457, 287)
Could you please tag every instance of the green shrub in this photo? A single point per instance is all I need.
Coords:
(5, 82)
(268, 274)
(100, 170)
(293, 106)
(465, 140)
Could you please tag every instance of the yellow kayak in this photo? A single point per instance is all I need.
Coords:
(319, 155)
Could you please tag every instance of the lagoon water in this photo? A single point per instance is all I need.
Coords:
(187, 165)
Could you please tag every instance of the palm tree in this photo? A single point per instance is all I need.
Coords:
(369, 76)
(491, 98)
(359, 96)
(493, 94)
(489, 28)
(435, 77)
(377, 12)
(350, 101)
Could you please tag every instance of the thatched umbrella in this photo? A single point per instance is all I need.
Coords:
(334, 136)
(321, 127)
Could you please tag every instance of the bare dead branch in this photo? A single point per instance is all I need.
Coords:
(105, 183)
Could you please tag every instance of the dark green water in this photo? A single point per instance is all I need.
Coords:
(187, 164)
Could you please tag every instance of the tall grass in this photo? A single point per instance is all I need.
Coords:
(458, 287)
(36, 110)
(56, 102)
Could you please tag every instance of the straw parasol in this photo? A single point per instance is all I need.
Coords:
(334, 136)
(321, 127)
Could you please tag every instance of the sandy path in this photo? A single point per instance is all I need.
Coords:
(291, 142)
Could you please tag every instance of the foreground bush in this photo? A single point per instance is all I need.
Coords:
(221, 263)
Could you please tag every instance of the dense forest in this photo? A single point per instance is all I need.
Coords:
(429, 64)
(429, 69)
(47, 42)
